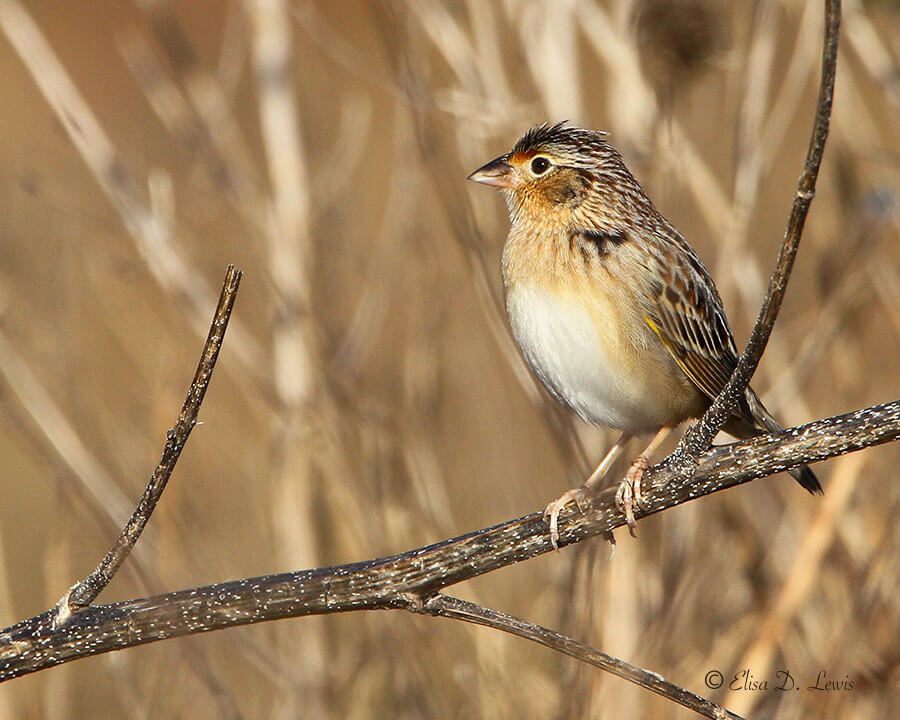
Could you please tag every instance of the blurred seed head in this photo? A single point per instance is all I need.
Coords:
(677, 39)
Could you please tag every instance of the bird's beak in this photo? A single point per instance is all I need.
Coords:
(497, 173)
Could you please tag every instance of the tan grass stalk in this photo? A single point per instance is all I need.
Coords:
(153, 238)
(799, 581)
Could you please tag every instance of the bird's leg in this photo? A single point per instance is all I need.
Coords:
(578, 495)
(628, 496)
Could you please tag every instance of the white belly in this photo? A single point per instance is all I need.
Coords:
(559, 339)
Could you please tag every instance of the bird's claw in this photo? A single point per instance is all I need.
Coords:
(551, 512)
(628, 496)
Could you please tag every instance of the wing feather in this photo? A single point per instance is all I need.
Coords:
(688, 318)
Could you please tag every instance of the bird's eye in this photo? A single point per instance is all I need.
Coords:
(540, 165)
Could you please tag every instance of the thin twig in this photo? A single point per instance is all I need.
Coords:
(39, 642)
(456, 609)
(700, 437)
(91, 483)
(83, 593)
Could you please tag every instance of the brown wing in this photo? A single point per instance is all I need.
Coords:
(689, 319)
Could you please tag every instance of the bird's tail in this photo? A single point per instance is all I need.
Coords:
(764, 419)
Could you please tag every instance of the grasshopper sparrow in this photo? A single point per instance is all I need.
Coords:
(609, 305)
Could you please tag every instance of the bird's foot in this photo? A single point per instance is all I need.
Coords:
(551, 513)
(628, 496)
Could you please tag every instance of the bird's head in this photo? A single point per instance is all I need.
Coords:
(552, 170)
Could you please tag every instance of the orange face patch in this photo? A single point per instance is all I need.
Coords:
(520, 158)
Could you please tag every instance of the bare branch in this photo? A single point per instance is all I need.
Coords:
(389, 583)
(456, 609)
(700, 437)
(84, 592)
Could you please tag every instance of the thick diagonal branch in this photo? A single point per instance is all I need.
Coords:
(389, 582)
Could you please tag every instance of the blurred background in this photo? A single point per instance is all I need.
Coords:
(368, 398)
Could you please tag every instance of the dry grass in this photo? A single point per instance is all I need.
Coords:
(371, 399)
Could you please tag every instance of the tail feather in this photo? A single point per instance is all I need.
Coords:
(765, 421)
(807, 478)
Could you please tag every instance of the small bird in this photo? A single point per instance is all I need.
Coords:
(610, 306)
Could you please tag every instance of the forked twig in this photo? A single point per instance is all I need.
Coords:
(83, 593)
